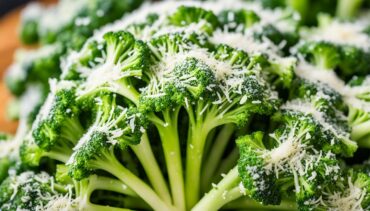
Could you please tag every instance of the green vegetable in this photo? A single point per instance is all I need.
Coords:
(190, 106)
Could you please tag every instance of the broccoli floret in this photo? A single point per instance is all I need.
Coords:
(323, 54)
(350, 193)
(184, 78)
(123, 55)
(30, 18)
(354, 61)
(323, 105)
(357, 96)
(33, 66)
(336, 45)
(57, 124)
(288, 161)
(5, 160)
(275, 167)
(28, 190)
(186, 15)
(114, 128)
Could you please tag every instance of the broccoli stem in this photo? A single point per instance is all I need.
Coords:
(346, 9)
(200, 125)
(225, 191)
(125, 88)
(211, 136)
(360, 130)
(227, 163)
(246, 203)
(72, 130)
(110, 184)
(299, 6)
(216, 152)
(59, 156)
(364, 142)
(168, 132)
(145, 154)
(95, 207)
(61, 152)
(110, 164)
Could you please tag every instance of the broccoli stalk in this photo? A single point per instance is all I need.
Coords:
(234, 105)
(323, 54)
(357, 97)
(347, 9)
(225, 191)
(359, 120)
(146, 157)
(213, 159)
(123, 59)
(262, 170)
(95, 151)
(168, 131)
(86, 187)
(105, 159)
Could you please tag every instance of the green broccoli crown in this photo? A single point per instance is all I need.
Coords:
(260, 185)
(324, 96)
(344, 49)
(190, 106)
(28, 191)
(323, 54)
(357, 97)
(189, 81)
(351, 193)
(123, 58)
(336, 136)
(33, 66)
(354, 61)
(186, 15)
(30, 153)
(57, 122)
(287, 162)
(113, 126)
(87, 57)
(81, 163)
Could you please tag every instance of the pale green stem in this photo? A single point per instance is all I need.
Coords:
(218, 196)
(213, 160)
(135, 183)
(145, 154)
(171, 147)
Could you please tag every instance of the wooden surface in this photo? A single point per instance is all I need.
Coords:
(9, 42)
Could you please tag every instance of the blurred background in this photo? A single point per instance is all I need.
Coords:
(9, 23)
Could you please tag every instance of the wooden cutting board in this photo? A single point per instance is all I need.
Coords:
(9, 42)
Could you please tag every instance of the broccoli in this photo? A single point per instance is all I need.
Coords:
(190, 106)
(336, 45)
(29, 190)
(351, 193)
(29, 26)
(30, 66)
(123, 54)
(184, 16)
(57, 124)
(358, 116)
(82, 191)
(114, 127)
